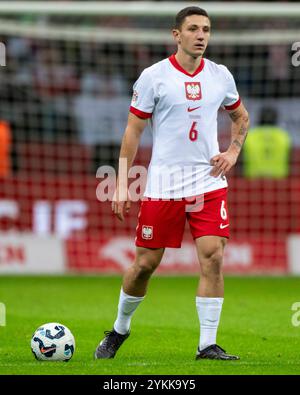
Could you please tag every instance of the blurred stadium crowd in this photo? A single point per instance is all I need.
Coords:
(65, 91)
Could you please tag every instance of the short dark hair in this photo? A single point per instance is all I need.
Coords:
(180, 17)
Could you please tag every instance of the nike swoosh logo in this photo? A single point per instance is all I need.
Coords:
(44, 350)
(223, 226)
(193, 109)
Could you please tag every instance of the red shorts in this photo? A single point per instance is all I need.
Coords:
(161, 222)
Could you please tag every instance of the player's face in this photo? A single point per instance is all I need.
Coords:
(194, 34)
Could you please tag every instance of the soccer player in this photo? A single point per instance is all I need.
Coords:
(180, 97)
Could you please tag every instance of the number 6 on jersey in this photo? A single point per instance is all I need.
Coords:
(193, 134)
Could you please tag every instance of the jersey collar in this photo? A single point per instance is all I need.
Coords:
(177, 66)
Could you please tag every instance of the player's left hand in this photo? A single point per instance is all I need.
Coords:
(222, 163)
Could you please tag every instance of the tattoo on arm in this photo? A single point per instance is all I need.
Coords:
(237, 143)
(234, 115)
(243, 130)
(240, 121)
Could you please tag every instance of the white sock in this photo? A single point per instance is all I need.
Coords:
(126, 308)
(209, 312)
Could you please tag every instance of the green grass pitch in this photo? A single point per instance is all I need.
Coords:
(256, 323)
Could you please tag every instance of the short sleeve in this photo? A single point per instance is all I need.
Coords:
(142, 103)
(232, 99)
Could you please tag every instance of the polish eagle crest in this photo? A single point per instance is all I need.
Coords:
(193, 90)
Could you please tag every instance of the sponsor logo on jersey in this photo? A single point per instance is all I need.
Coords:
(193, 90)
(147, 232)
(190, 109)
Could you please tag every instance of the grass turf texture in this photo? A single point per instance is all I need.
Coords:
(255, 324)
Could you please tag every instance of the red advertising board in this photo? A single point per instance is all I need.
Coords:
(115, 254)
(262, 216)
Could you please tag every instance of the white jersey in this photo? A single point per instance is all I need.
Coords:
(182, 109)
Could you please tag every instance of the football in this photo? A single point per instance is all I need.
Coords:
(53, 342)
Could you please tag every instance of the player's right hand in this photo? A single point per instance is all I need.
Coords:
(120, 206)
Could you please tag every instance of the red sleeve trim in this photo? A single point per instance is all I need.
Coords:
(139, 113)
(233, 106)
